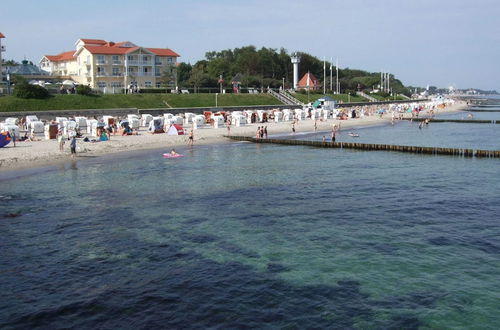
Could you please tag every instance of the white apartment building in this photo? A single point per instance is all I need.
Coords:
(110, 66)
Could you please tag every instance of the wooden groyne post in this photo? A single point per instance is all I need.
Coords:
(461, 152)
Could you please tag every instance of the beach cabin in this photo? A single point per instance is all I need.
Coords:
(30, 119)
(188, 118)
(288, 115)
(81, 122)
(69, 128)
(238, 120)
(145, 119)
(50, 131)
(315, 114)
(12, 121)
(218, 121)
(156, 125)
(198, 121)
(37, 126)
(108, 120)
(300, 114)
(60, 121)
(278, 116)
(89, 124)
(134, 123)
(175, 129)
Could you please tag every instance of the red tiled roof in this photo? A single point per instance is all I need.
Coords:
(1, 35)
(313, 81)
(110, 50)
(66, 56)
(163, 52)
(94, 41)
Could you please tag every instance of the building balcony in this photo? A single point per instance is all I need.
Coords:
(101, 74)
(101, 62)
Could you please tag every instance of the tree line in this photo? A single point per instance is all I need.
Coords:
(269, 67)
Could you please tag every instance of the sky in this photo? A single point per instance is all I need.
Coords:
(422, 42)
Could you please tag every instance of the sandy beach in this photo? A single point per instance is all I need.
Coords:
(30, 154)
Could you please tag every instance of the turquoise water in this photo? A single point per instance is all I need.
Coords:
(262, 236)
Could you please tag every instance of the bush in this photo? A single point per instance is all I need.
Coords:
(24, 90)
(83, 90)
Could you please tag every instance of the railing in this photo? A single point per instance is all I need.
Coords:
(366, 96)
(117, 74)
(290, 97)
(115, 62)
(281, 98)
(100, 62)
(158, 63)
(101, 74)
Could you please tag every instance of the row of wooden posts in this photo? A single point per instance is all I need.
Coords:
(464, 121)
(385, 147)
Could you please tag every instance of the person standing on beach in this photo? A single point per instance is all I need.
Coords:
(333, 135)
(191, 138)
(293, 127)
(72, 145)
(257, 134)
(265, 132)
(60, 140)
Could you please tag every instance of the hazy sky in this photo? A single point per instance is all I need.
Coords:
(436, 42)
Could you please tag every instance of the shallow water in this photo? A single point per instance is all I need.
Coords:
(261, 236)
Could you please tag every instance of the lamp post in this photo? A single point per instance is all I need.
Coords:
(283, 83)
(216, 94)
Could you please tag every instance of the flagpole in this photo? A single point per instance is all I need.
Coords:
(331, 76)
(324, 75)
(337, 78)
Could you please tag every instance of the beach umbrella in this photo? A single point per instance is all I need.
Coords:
(381, 111)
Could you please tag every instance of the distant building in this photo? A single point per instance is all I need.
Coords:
(29, 71)
(308, 82)
(106, 65)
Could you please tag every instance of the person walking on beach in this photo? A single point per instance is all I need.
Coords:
(191, 137)
(72, 145)
(293, 127)
(333, 135)
(257, 133)
(265, 132)
(228, 124)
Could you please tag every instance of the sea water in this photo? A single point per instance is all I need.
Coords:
(241, 235)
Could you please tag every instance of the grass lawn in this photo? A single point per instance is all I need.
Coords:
(338, 97)
(140, 101)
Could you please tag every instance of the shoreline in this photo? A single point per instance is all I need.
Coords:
(45, 153)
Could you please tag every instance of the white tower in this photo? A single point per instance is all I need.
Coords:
(295, 61)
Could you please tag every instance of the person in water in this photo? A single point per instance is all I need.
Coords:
(173, 152)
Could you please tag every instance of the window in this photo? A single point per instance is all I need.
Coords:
(169, 60)
(157, 72)
(146, 70)
(145, 58)
(116, 84)
(101, 84)
(148, 84)
(116, 71)
(158, 85)
(100, 59)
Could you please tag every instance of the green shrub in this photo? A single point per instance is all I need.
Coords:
(24, 90)
(83, 90)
